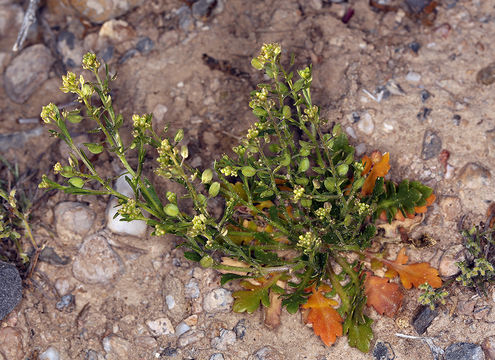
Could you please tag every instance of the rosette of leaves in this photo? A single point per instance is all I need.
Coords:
(296, 198)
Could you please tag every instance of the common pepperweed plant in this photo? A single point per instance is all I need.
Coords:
(297, 201)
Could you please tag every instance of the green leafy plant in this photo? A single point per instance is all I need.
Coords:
(15, 208)
(297, 201)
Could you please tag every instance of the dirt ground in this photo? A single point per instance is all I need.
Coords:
(397, 80)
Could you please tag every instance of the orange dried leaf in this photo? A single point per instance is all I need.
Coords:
(379, 169)
(383, 295)
(327, 323)
(413, 274)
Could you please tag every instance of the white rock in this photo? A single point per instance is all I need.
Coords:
(159, 112)
(217, 356)
(192, 289)
(114, 224)
(161, 326)
(96, 261)
(350, 131)
(226, 338)
(366, 125)
(413, 76)
(190, 337)
(62, 285)
(73, 221)
(360, 149)
(169, 299)
(50, 354)
(218, 300)
(182, 328)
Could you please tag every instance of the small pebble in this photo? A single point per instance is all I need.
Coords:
(169, 299)
(182, 328)
(62, 285)
(168, 351)
(218, 300)
(414, 46)
(355, 117)
(474, 176)
(451, 207)
(423, 319)
(226, 338)
(450, 257)
(488, 346)
(382, 351)
(413, 76)
(186, 21)
(366, 125)
(145, 45)
(423, 114)
(50, 354)
(464, 351)
(360, 149)
(350, 131)
(240, 329)
(432, 145)
(192, 289)
(73, 220)
(160, 326)
(267, 353)
(456, 119)
(425, 95)
(65, 302)
(203, 8)
(486, 76)
(190, 337)
(117, 346)
(217, 356)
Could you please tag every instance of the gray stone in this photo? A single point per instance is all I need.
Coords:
(267, 353)
(73, 221)
(240, 329)
(65, 302)
(182, 328)
(10, 288)
(96, 261)
(145, 45)
(186, 21)
(27, 72)
(366, 124)
(50, 256)
(474, 176)
(93, 355)
(99, 11)
(217, 356)
(464, 351)
(190, 337)
(226, 338)
(382, 351)
(432, 145)
(203, 8)
(160, 326)
(192, 289)
(423, 318)
(218, 300)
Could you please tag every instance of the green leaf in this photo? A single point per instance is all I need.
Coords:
(249, 300)
(248, 171)
(228, 277)
(286, 112)
(298, 85)
(207, 176)
(285, 161)
(214, 189)
(266, 194)
(74, 118)
(193, 256)
(259, 112)
(303, 164)
(94, 148)
(359, 335)
(76, 182)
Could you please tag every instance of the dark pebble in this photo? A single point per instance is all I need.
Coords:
(385, 93)
(127, 55)
(425, 95)
(456, 119)
(168, 351)
(432, 145)
(10, 288)
(417, 6)
(92, 355)
(423, 114)
(381, 351)
(486, 76)
(145, 45)
(423, 318)
(66, 302)
(203, 8)
(414, 46)
(49, 256)
(355, 117)
(240, 329)
(464, 351)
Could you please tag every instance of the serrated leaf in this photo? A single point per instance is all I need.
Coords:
(327, 323)
(383, 295)
(360, 335)
(413, 274)
(249, 300)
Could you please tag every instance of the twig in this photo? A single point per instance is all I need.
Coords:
(436, 351)
(29, 19)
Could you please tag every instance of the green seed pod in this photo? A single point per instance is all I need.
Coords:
(258, 65)
(184, 151)
(76, 182)
(207, 176)
(171, 210)
(330, 184)
(306, 203)
(286, 112)
(179, 136)
(342, 169)
(214, 189)
(206, 261)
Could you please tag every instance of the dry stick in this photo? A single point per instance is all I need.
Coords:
(29, 19)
